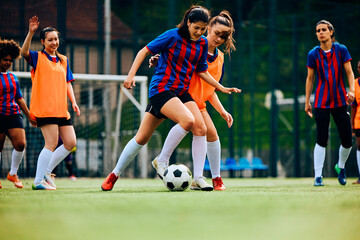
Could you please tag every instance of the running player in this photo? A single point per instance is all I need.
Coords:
(355, 119)
(220, 31)
(183, 51)
(51, 84)
(11, 101)
(328, 61)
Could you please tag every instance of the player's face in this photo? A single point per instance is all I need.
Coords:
(196, 29)
(51, 42)
(218, 34)
(323, 33)
(5, 63)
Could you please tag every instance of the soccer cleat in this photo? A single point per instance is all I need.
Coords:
(357, 181)
(218, 184)
(200, 184)
(0, 185)
(160, 167)
(341, 174)
(318, 182)
(43, 186)
(15, 180)
(109, 182)
(49, 179)
(73, 178)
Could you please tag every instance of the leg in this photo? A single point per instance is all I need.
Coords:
(67, 134)
(146, 129)
(322, 119)
(358, 157)
(18, 140)
(50, 133)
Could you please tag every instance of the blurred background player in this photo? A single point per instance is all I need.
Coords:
(51, 84)
(11, 101)
(168, 90)
(355, 120)
(328, 61)
(220, 31)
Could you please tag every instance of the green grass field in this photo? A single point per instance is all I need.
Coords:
(144, 209)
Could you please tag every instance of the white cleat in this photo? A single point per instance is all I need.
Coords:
(160, 167)
(49, 180)
(200, 184)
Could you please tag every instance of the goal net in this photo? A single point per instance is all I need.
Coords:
(110, 117)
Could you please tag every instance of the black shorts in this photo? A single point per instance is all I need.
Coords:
(157, 101)
(53, 120)
(357, 133)
(10, 121)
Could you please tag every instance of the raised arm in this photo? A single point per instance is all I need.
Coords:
(308, 89)
(71, 95)
(140, 57)
(210, 80)
(33, 26)
(350, 76)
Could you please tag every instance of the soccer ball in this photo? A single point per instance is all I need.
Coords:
(177, 177)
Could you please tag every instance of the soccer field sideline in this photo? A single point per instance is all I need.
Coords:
(260, 208)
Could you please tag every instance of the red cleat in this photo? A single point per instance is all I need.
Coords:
(218, 184)
(109, 182)
(15, 180)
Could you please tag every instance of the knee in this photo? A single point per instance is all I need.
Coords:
(188, 123)
(199, 129)
(20, 146)
(211, 135)
(69, 145)
(141, 139)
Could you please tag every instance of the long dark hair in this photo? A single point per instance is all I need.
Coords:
(224, 18)
(193, 14)
(330, 26)
(43, 36)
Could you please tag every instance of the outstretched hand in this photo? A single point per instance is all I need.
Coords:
(33, 24)
(230, 90)
(228, 118)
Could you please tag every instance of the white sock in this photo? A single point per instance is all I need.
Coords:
(358, 160)
(198, 155)
(343, 156)
(214, 157)
(42, 163)
(319, 159)
(15, 161)
(128, 154)
(176, 134)
(59, 154)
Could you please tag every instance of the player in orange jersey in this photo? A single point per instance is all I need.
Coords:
(220, 31)
(51, 85)
(355, 119)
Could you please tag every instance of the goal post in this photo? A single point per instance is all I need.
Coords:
(124, 106)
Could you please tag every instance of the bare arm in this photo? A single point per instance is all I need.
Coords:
(351, 79)
(210, 80)
(140, 57)
(215, 102)
(33, 26)
(353, 113)
(308, 89)
(71, 95)
(22, 104)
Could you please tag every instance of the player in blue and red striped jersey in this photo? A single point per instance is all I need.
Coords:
(329, 61)
(11, 101)
(183, 52)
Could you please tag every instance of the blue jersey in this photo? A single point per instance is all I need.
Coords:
(330, 91)
(9, 93)
(33, 59)
(179, 59)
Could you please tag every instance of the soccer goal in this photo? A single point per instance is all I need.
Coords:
(110, 117)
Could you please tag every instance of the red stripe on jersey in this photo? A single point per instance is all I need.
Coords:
(342, 82)
(318, 85)
(325, 91)
(331, 80)
(191, 59)
(7, 99)
(168, 69)
(14, 99)
(179, 65)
